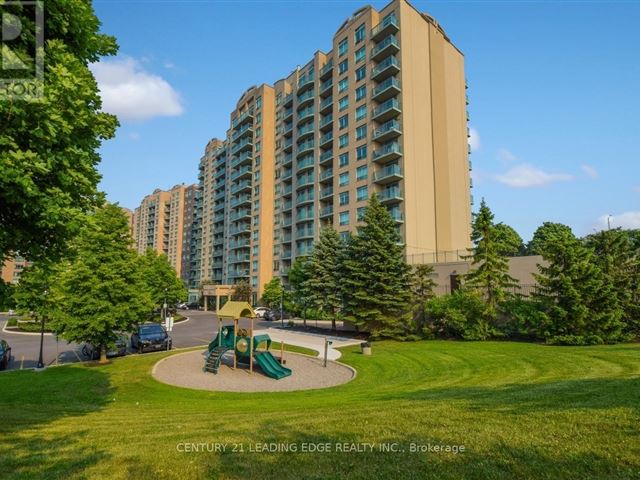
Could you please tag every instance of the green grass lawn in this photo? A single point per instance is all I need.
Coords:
(521, 411)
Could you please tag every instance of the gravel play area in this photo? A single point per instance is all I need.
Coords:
(186, 370)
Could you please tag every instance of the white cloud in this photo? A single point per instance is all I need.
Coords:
(506, 156)
(474, 139)
(135, 136)
(132, 93)
(524, 176)
(590, 171)
(169, 65)
(624, 220)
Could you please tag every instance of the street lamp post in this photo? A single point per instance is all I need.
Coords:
(281, 302)
(40, 357)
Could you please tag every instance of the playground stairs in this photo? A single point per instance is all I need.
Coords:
(214, 357)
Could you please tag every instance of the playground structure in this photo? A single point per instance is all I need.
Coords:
(242, 343)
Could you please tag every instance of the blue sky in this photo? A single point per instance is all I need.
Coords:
(554, 92)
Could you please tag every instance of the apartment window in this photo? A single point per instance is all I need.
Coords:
(362, 172)
(343, 46)
(361, 112)
(344, 218)
(361, 92)
(258, 102)
(255, 250)
(279, 98)
(344, 159)
(256, 176)
(362, 193)
(258, 131)
(343, 141)
(254, 265)
(258, 146)
(343, 66)
(361, 132)
(360, 33)
(343, 85)
(360, 213)
(254, 282)
(344, 198)
(276, 265)
(344, 121)
(361, 152)
(361, 73)
(259, 118)
(361, 53)
(344, 179)
(343, 103)
(257, 160)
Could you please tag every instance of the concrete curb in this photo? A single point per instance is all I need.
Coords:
(12, 332)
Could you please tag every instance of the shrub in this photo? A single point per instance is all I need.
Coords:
(459, 315)
(521, 318)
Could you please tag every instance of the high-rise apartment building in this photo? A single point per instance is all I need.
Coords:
(384, 111)
(12, 269)
(163, 222)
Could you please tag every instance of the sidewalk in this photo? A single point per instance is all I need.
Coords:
(310, 340)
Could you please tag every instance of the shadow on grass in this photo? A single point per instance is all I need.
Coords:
(31, 402)
(592, 393)
(494, 461)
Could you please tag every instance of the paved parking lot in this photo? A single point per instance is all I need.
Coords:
(198, 330)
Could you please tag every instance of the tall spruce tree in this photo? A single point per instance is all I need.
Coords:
(619, 261)
(579, 304)
(298, 275)
(489, 274)
(101, 290)
(376, 280)
(422, 287)
(322, 285)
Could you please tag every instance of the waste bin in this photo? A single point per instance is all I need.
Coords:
(366, 348)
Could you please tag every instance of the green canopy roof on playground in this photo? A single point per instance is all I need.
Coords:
(236, 310)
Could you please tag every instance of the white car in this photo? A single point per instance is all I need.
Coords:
(260, 311)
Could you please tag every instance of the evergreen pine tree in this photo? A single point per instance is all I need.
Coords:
(489, 273)
(376, 282)
(422, 287)
(579, 304)
(101, 290)
(322, 284)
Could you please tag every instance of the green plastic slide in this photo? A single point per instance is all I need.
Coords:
(270, 366)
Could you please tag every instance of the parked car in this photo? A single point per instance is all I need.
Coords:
(5, 354)
(260, 311)
(182, 306)
(269, 316)
(11, 313)
(150, 337)
(193, 306)
(119, 349)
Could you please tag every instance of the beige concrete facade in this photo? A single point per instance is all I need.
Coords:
(12, 269)
(383, 111)
(160, 223)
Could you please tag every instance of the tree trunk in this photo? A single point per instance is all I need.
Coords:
(103, 354)
(333, 324)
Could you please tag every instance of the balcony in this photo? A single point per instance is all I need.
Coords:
(306, 131)
(286, 254)
(239, 273)
(304, 181)
(244, 185)
(288, 113)
(326, 140)
(243, 172)
(288, 100)
(326, 175)
(305, 215)
(242, 229)
(286, 237)
(218, 207)
(243, 214)
(326, 105)
(326, 157)
(287, 159)
(391, 195)
(240, 243)
(387, 131)
(386, 110)
(304, 115)
(245, 144)
(326, 123)
(326, 192)
(305, 147)
(389, 174)
(306, 162)
(219, 217)
(288, 145)
(286, 206)
(327, 70)
(287, 190)
(219, 195)
(305, 197)
(240, 200)
(385, 90)
(306, 98)
(287, 129)
(386, 68)
(305, 83)
(244, 131)
(304, 233)
(326, 211)
(387, 26)
(389, 151)
(286, 222)
(242, 258)
(386, 47)
(397, 215)
(242, 119)
(286, 174)
(326, 88)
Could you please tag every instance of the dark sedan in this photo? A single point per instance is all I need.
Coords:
(150, 337)
(5, 354)
(117, 349)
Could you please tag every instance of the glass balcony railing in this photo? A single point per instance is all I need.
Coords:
(389, 173)
(326, 211)
(326, 174)
(386, 26)
(386, 89)
(389, 66)
(388, 151)
(386, 110)
(386, 47)
(387, 130)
